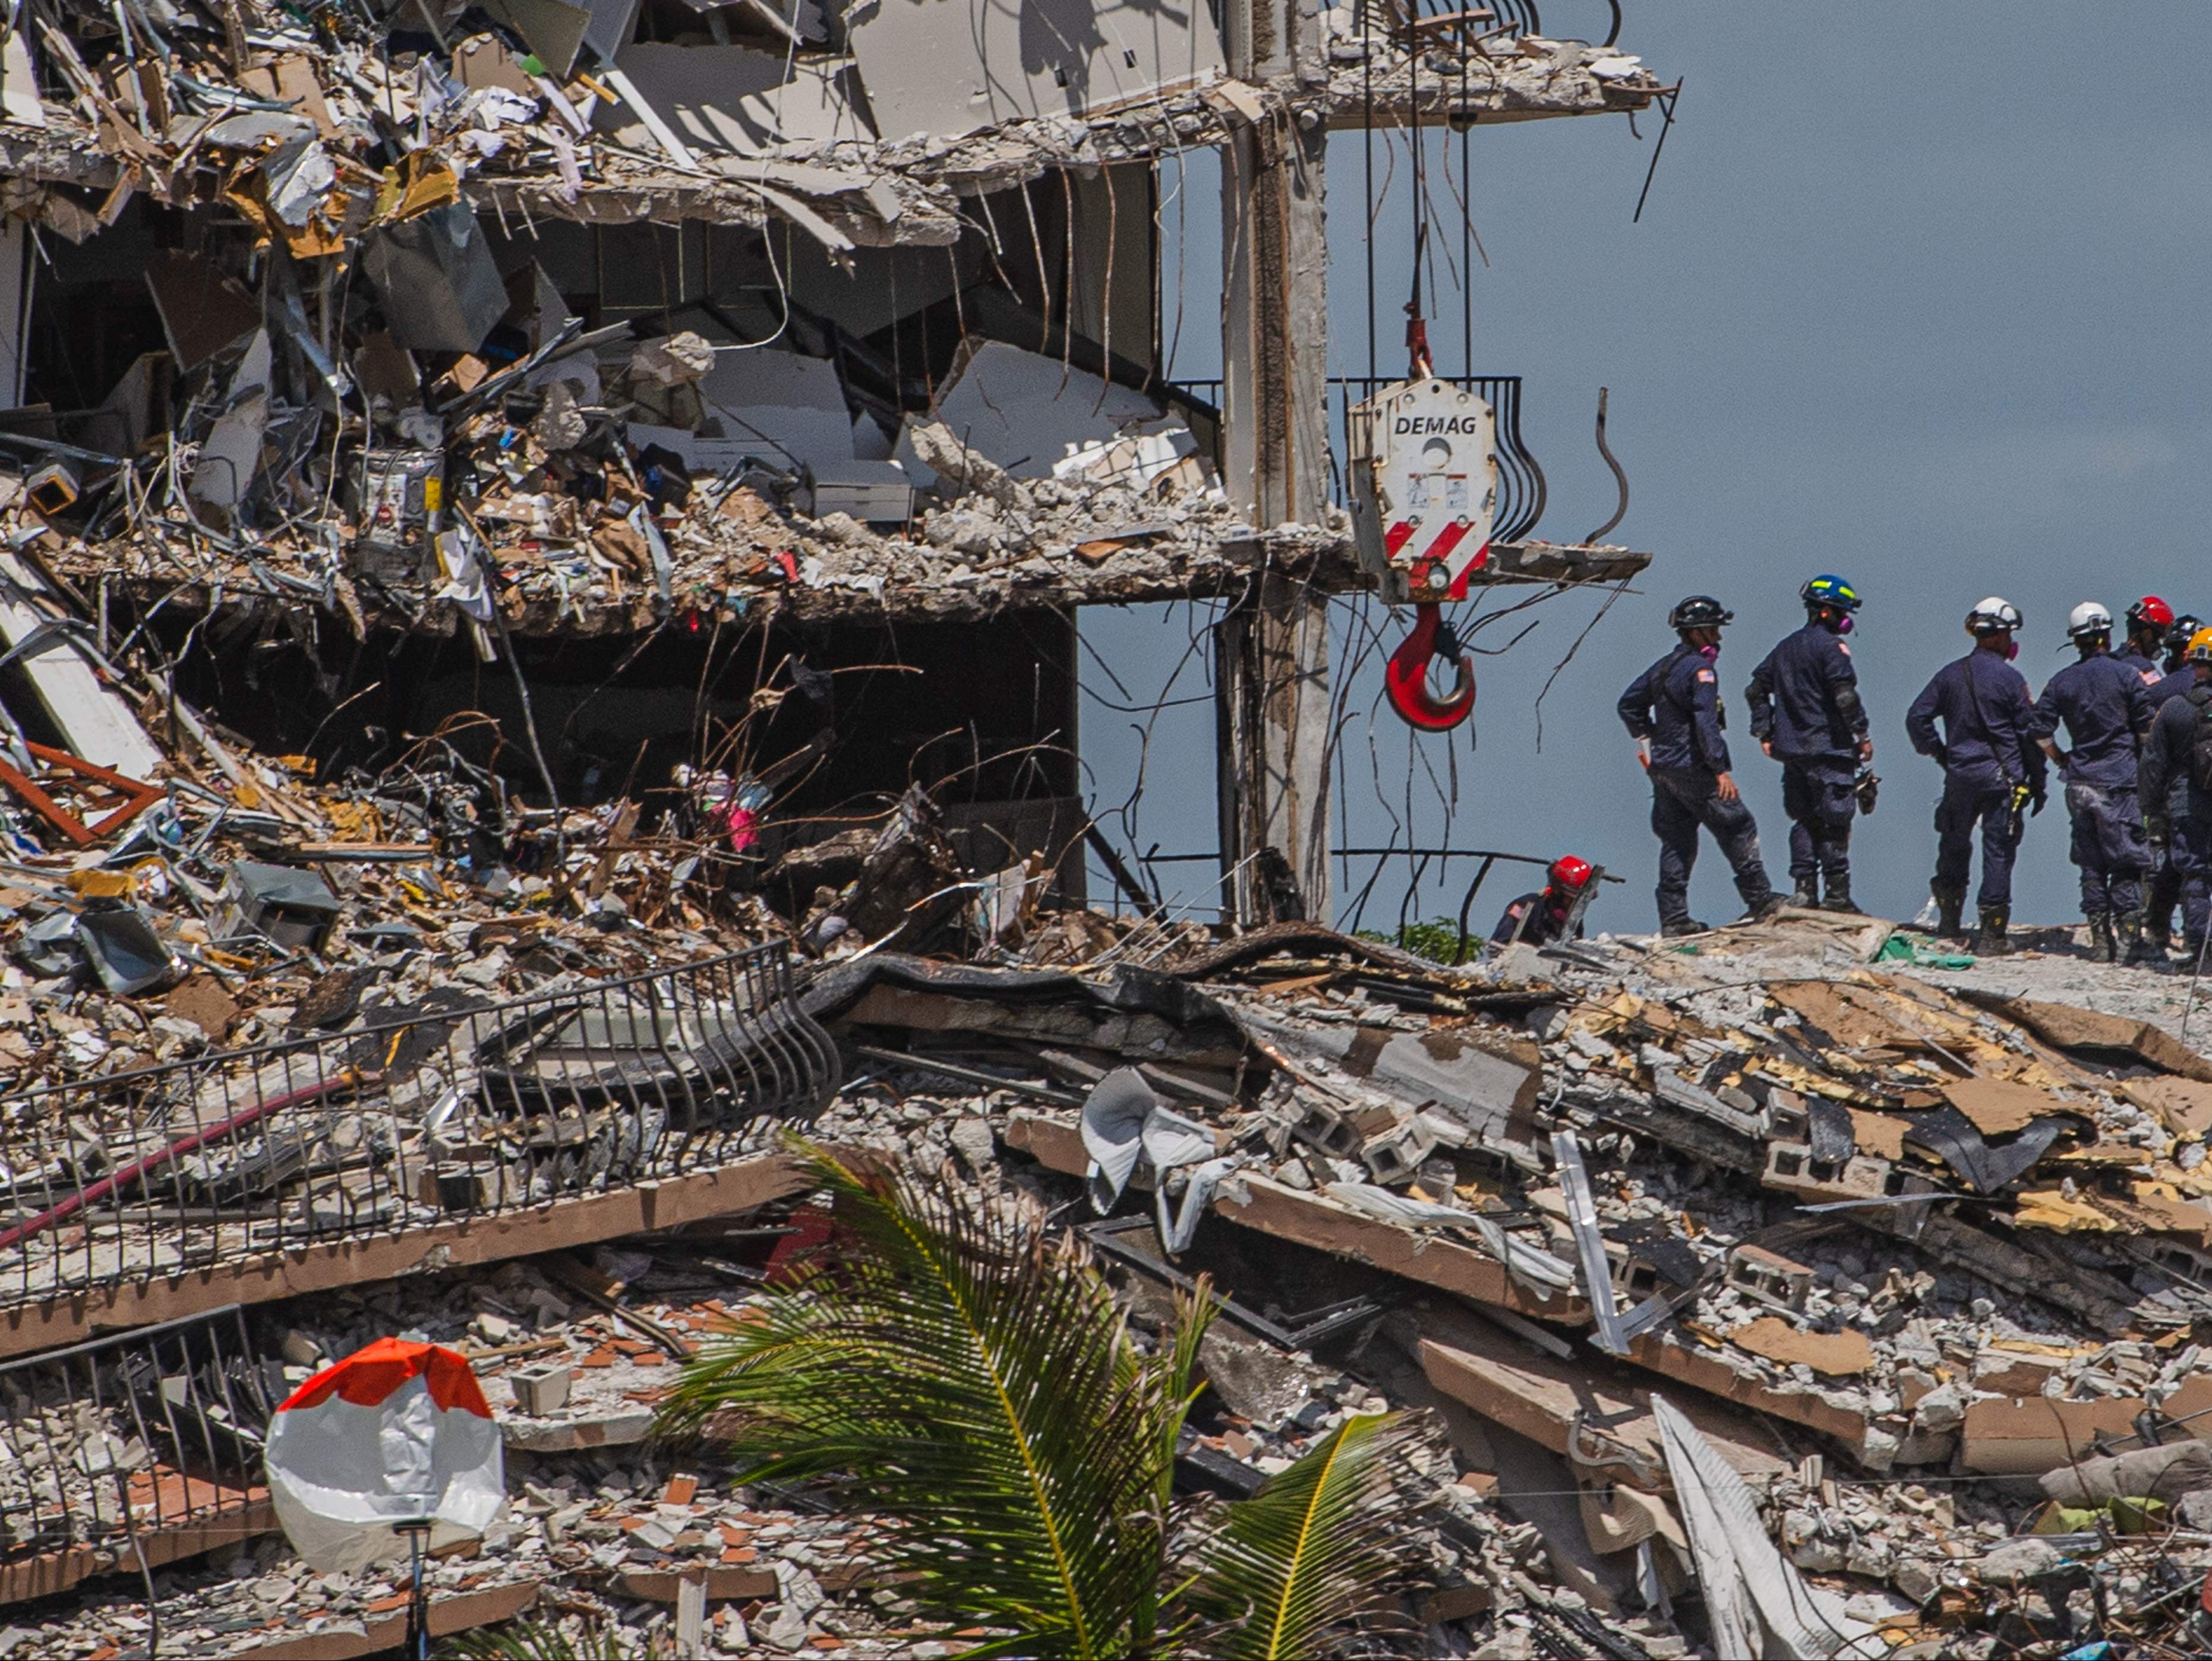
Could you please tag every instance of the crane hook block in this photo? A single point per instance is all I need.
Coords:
(1406, 676)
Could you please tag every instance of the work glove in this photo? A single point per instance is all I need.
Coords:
(1942, 754)
(2041, 800)
(2159, 832)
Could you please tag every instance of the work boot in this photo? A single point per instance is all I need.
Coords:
(1683, 925)
(1806, 894)
(1990, 941)
(1950, 910)
(1762, 911)
(2158, 930)
(2104, 945)
(1839, 897)
(2134, 948)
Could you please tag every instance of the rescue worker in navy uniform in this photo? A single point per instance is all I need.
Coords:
(2148, 619)
(1538, 919)
(2179, 640)
(1674, 711)
(1992, 767)
(2162, 892)
(2106, 712)
(2179, 754)
(1805, 715)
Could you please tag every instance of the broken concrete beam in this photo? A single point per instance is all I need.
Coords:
(2017, 1436)
(1309, 1220)
(1085, 1026)
(1666, 1353)
(50, 1572)
(2097, 1298)
(1597, 1416)
(1288, 1213)
(344, 1641)
(264, 1277)
(619, 1429)
(725, 1583)
(1486, 1079)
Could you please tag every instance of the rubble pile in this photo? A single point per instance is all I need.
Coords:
(248, 915)
(376, 399)
(1915, 1272)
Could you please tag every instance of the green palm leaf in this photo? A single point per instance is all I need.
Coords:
(973, 1385)
(1322, 1546)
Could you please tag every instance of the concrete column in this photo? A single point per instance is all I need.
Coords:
(1272, 652)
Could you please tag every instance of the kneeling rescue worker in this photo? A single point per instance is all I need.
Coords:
(1538, 919)
(2106, 709)
(2180, 755)
(1805, 715)
(1674, 711)
(1992, 767)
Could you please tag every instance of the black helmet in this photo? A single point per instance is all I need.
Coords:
(2177, 637)
(1699, 611)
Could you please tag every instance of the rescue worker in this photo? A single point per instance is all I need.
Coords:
(1672, 710)
(2106, 712)
(1805, 715)
(2184, 630)
(2180, 753)
(1538, 919)
(2148, 619)
(2162, 892)
(1991, 765)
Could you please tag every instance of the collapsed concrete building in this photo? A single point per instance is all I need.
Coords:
(503, 506)
(680, 357)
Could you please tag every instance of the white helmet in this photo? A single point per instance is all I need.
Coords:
(2087, 619)
(1993, 614)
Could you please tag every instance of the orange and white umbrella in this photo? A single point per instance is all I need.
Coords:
(372, 1448)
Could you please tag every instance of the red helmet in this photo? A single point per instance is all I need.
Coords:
(2153, 610)
(1569, 872)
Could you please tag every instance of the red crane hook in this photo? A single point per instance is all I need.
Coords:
(1406, 676)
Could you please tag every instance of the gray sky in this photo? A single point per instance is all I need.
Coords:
(1917, 298)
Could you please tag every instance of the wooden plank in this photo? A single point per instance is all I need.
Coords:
(267, 1277)
(2065, 1026)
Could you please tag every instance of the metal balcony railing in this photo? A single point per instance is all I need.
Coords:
(126, 1437)
(445, 1111)
(1520, 488)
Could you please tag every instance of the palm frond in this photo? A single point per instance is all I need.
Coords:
(971, 1383)
(1329, 1540)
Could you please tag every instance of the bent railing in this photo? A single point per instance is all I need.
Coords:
(128, 1439)
(448, 1109)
